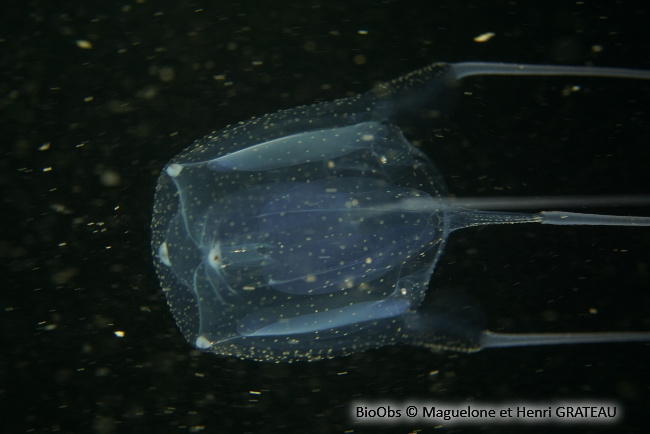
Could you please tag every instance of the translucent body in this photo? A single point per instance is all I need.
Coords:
(314, 232)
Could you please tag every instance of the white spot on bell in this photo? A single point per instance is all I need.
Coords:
(174, 170)
(163, 253)
(202, 342)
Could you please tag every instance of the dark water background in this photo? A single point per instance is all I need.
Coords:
(86, 131)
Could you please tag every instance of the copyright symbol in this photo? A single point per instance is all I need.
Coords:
(411, 411)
